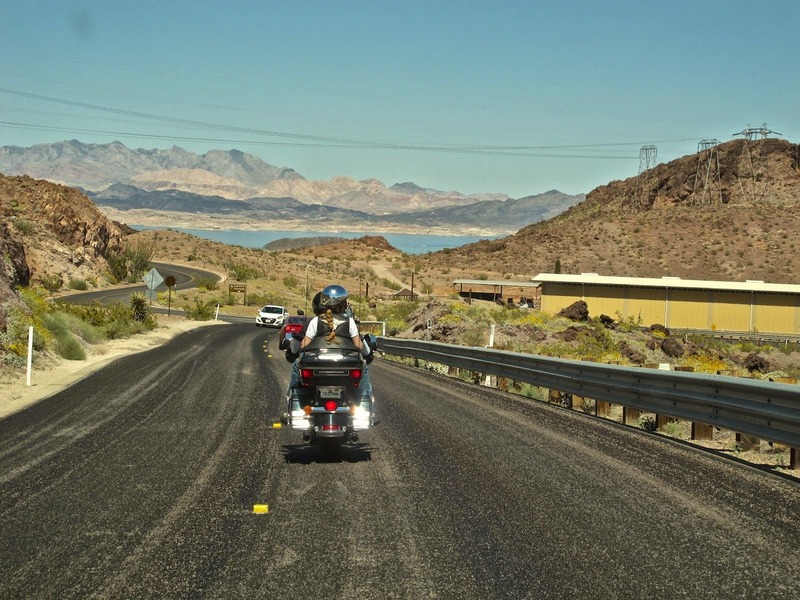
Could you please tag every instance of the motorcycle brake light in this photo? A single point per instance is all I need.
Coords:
(306, 373)
(355, 373)
(331, 405)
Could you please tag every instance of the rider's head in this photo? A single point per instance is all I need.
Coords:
(333, 297)
(315, 305)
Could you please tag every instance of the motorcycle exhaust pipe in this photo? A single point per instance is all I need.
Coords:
(354, 437)
(306, 438)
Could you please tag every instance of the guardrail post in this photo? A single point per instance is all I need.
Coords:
(602, 409)
(662, 420)
(747, 442)
(630, 416)
(702, 432)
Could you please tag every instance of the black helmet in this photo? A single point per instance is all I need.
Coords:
(315, 305)
(333, 297)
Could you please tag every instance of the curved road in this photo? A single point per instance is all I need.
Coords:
(184, 276)
(140, 481)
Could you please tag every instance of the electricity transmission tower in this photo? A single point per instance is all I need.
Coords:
(756, 133)
(753, 157)
(707, 184)
(647, 160)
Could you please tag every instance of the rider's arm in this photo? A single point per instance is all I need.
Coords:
(354, 335)
(311, 332)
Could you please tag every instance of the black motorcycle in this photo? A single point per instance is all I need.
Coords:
(328, 406)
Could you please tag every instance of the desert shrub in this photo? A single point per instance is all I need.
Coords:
(673, 429)
(531, 391)
(77, 284)
(201, 311)
(138, 257)
(51, 282)
(138, 306)
(476, 336)
(647, 422)
(61, 323)
(118, 328)
(207, 283)
(117, 266)
(243, 272)
(68, 346)
(24, 227)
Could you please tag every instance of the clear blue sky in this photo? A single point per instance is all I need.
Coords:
(516, 97)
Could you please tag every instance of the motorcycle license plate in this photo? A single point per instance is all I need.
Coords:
(330, 391)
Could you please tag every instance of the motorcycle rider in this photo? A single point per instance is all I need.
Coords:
(333, 319)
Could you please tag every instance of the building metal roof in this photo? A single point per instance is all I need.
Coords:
(496, 283)
(669, 283)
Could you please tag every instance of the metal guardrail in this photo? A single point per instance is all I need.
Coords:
(765, 409)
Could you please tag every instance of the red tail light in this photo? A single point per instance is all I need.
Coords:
(331, 405)
(355, 373)
(306, 373)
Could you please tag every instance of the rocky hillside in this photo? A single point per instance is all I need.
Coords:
(49, 231)
(729, 213)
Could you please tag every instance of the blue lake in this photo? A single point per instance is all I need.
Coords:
(405, 242)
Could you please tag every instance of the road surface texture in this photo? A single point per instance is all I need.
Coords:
(140, 481)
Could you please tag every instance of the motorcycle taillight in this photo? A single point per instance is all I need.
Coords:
(355, 374)
(331, 405)
(306, 373)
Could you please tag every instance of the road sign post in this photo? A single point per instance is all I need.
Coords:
(238, 288)
(170, 283)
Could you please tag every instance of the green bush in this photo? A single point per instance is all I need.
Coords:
(139, 308)
(51, 282)
(66, 345)
(77, 284)
(201, 311)
(117, 266)
(207, 283)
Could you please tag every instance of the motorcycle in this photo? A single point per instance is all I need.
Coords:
(328, 407)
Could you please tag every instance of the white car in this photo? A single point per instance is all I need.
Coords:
(271, 316)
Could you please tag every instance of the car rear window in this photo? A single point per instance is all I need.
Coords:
(272, 309)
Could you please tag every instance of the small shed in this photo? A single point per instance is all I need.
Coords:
(405, 294)
(524, 292)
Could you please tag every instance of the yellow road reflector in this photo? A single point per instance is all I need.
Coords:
(260, 509)
(277, 425)
(269, 355)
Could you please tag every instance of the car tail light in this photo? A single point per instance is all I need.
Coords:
(331, 405)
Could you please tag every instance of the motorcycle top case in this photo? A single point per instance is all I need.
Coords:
(331, 366)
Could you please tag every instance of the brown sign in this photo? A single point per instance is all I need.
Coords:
(237, 287)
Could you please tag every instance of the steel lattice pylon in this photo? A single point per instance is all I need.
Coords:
(707, 184)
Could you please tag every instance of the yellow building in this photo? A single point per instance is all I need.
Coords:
(749, 306)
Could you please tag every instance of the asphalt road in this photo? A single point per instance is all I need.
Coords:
(184, 279)
(140, 482)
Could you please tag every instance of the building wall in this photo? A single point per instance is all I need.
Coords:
(679, 308)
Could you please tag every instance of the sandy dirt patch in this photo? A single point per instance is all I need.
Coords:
(52, 375)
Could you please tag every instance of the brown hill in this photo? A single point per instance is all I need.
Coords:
(731, 212)
(50, 231)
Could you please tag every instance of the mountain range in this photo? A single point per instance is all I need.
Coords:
(147, 186)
